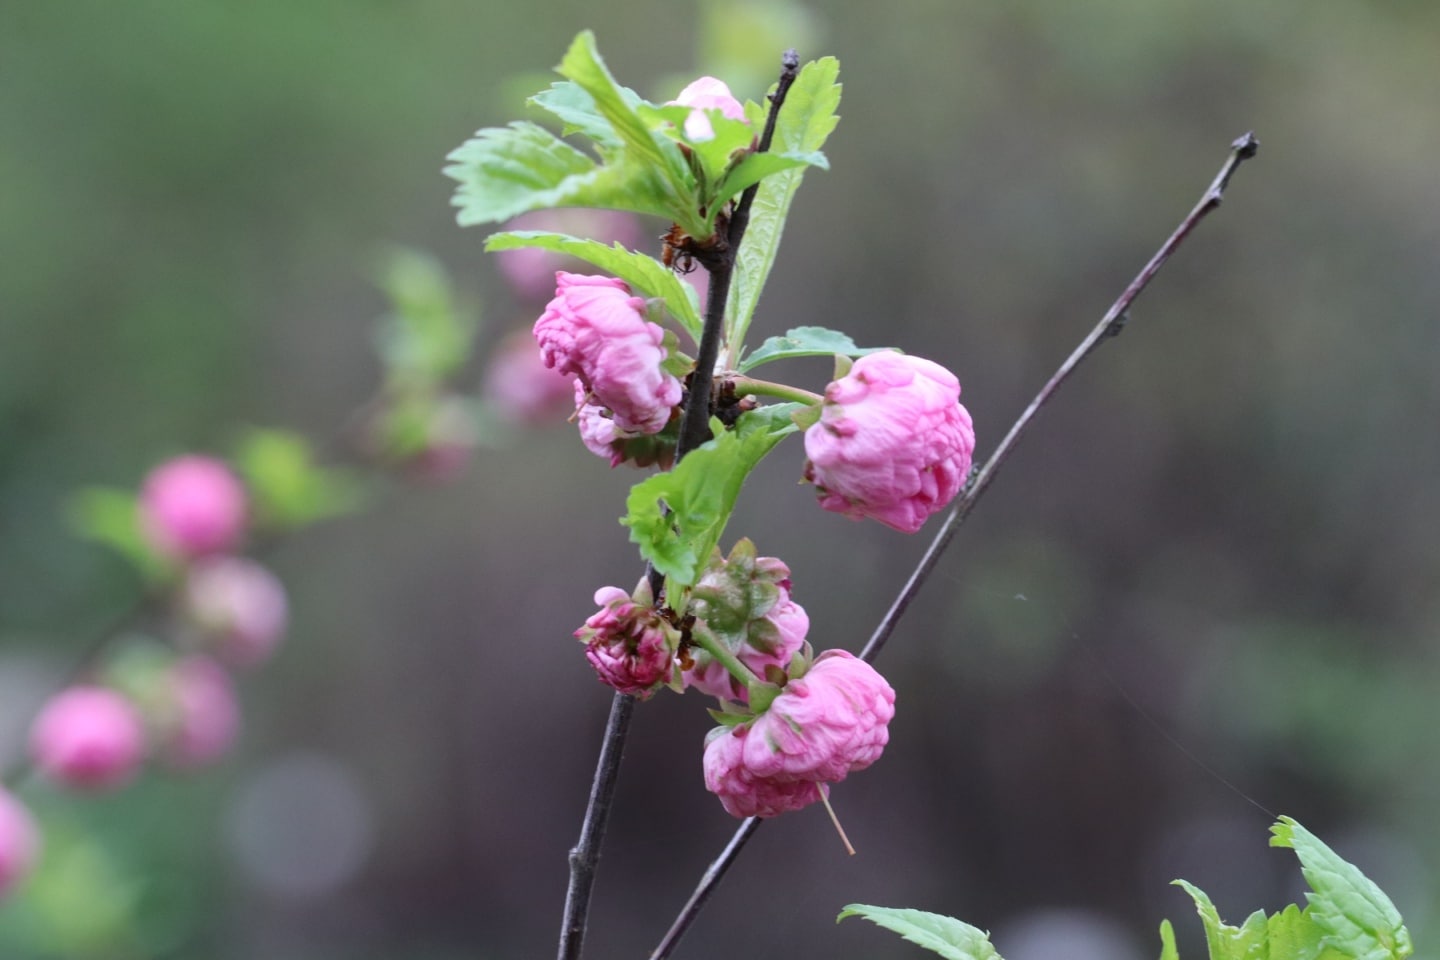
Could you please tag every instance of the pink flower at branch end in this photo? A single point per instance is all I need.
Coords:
(238, 607)
(628, 643)
(205, 716)
(19, 841)
(823, 726)
(892, 443)
(191, 507)
(597, 332)
(88, 737)
(704, 94)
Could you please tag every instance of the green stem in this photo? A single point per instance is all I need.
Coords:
(761, 693)
(748, 386)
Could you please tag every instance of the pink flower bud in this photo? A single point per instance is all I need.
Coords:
(88, 737)
(778, 636)
(628, 643)
(204, 718)
(704, 94)
(191, 507)
(604, 438)
(892, 442)
(522, 387)
(531, 270)
(239, 608)
(19, 841)
(822, 726)
(596, 331)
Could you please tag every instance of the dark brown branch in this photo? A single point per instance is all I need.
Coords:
(1241, 150)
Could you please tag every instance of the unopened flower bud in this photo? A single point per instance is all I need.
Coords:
(88, 737)
(892, 442)
(19, 841)
(192, 506)
(704, 94)
(597, 332)
(629, 643)
(238, 608)
(822, 727)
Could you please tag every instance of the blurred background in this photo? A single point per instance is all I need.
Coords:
(1204, 590)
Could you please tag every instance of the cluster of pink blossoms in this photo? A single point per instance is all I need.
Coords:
(182, 709)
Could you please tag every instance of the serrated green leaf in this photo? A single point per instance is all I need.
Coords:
(945, 936)
(288, 489)
(654, 162)
(576, 109)
(505, 171)
(645, 274)
(756, 166)
(428, 336)
(1356, 916)
(112, 517)
(1246, 942)
(805, 342)
(700, 493)
(802, 127)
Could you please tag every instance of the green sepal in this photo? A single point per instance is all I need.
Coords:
(949, 938)
(808, 415)
(700, 493)
(805, 342)
(645, 275)
(729, 719)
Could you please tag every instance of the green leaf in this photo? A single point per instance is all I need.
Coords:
(645, 274)
(1357, 918)
(576, 108)
(428, 336)
(802, 127)
(1247, 942)
(700, 494)
(805, 342)
(505, 171)
(1167, 942)
(287, 487)
(756, 166)
(112, 517)
(946, 936)
(653, 161)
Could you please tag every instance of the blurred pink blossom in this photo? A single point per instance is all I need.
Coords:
(192, 506)
(239, 608)
(892, 443)
(597, 332)
(823, 726)
(19, 841)
(88, 737)
(522, 387)
(205, 716)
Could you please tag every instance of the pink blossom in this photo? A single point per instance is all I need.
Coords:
(522, 387)
(192, 506)
(703, 95)
(239, 608)
(88, 737)
(531, 270)
(631, 648)
(596, 331)
(19, 841)
(205, 717)
(603, 437)
(892, 442)
(823, 726)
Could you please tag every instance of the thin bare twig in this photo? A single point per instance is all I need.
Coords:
(1241, 150)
